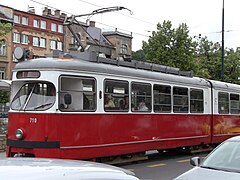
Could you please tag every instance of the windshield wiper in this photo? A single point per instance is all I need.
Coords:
(220, 169)
(43, 105)
(210, 167)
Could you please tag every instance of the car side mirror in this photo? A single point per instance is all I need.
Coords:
(195, 161)
(67, 99)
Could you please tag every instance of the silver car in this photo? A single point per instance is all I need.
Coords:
(41, 168)
(223, 163)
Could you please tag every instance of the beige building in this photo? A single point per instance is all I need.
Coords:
(122, 43)
(6, 16)
(113, 44)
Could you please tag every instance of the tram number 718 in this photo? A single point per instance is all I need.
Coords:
(33, 120)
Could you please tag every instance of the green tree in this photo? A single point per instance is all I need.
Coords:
(138, 55)
(231, 66)
(4, 96)
(5, 28)
(172, 47)
(210, 61)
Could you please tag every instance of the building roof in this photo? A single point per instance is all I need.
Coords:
(111, 33)
(4, 15)
(32, 12)
(97, 35)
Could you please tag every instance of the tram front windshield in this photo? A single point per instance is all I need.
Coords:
(36, 96)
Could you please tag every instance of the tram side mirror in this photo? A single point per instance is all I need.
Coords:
(67, 99)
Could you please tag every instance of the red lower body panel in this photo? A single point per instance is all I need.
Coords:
(84, 136)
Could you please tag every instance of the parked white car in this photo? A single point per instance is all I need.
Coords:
(43, 168)
(223, 163)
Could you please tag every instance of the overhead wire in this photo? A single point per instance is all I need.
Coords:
(125, 30)
(132, 17)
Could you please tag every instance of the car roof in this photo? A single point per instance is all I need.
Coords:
(44, 168)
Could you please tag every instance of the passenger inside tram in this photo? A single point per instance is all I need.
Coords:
(126, 102)
(121, 104)
(109, 103)
(142, 106)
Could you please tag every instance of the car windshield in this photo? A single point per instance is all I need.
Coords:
(34, 96)
(226, 157)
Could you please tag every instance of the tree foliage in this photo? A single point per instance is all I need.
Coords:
(138, 55)
(175, 47)
(5, 28)
(172, 47)
(4, 96)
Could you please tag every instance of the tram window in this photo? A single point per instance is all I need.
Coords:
(162, 98)
(21, 97)
(28, 74)
(234, 103)
(180, 100)
(141, 99)
(82, 92)
(223, 103)
(116, 95)
(35, 96)
(196, 101)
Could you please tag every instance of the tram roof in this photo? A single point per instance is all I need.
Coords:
(225, 86)
(81, 65)
(78, 65)
(90, 62)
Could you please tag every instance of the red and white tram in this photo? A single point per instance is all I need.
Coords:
(91, 107)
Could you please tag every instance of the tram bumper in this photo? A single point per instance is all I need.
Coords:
(32, 148)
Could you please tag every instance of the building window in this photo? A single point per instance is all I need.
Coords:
(16, 19)
(3, 50)
(2, 74)
(72, 40)
(54, 27)
(42, 42)
(59, 46)
(60, 28)
(25, 20)
(24, 39)
(124, 49)
(35, 41)
(16, 37)
(36, 23)
(43, 24)
(53, 44)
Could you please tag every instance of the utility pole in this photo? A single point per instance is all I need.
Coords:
(222, 71)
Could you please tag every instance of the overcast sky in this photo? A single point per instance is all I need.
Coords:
(202, 16)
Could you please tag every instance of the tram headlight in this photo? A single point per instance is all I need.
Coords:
(19, 134)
